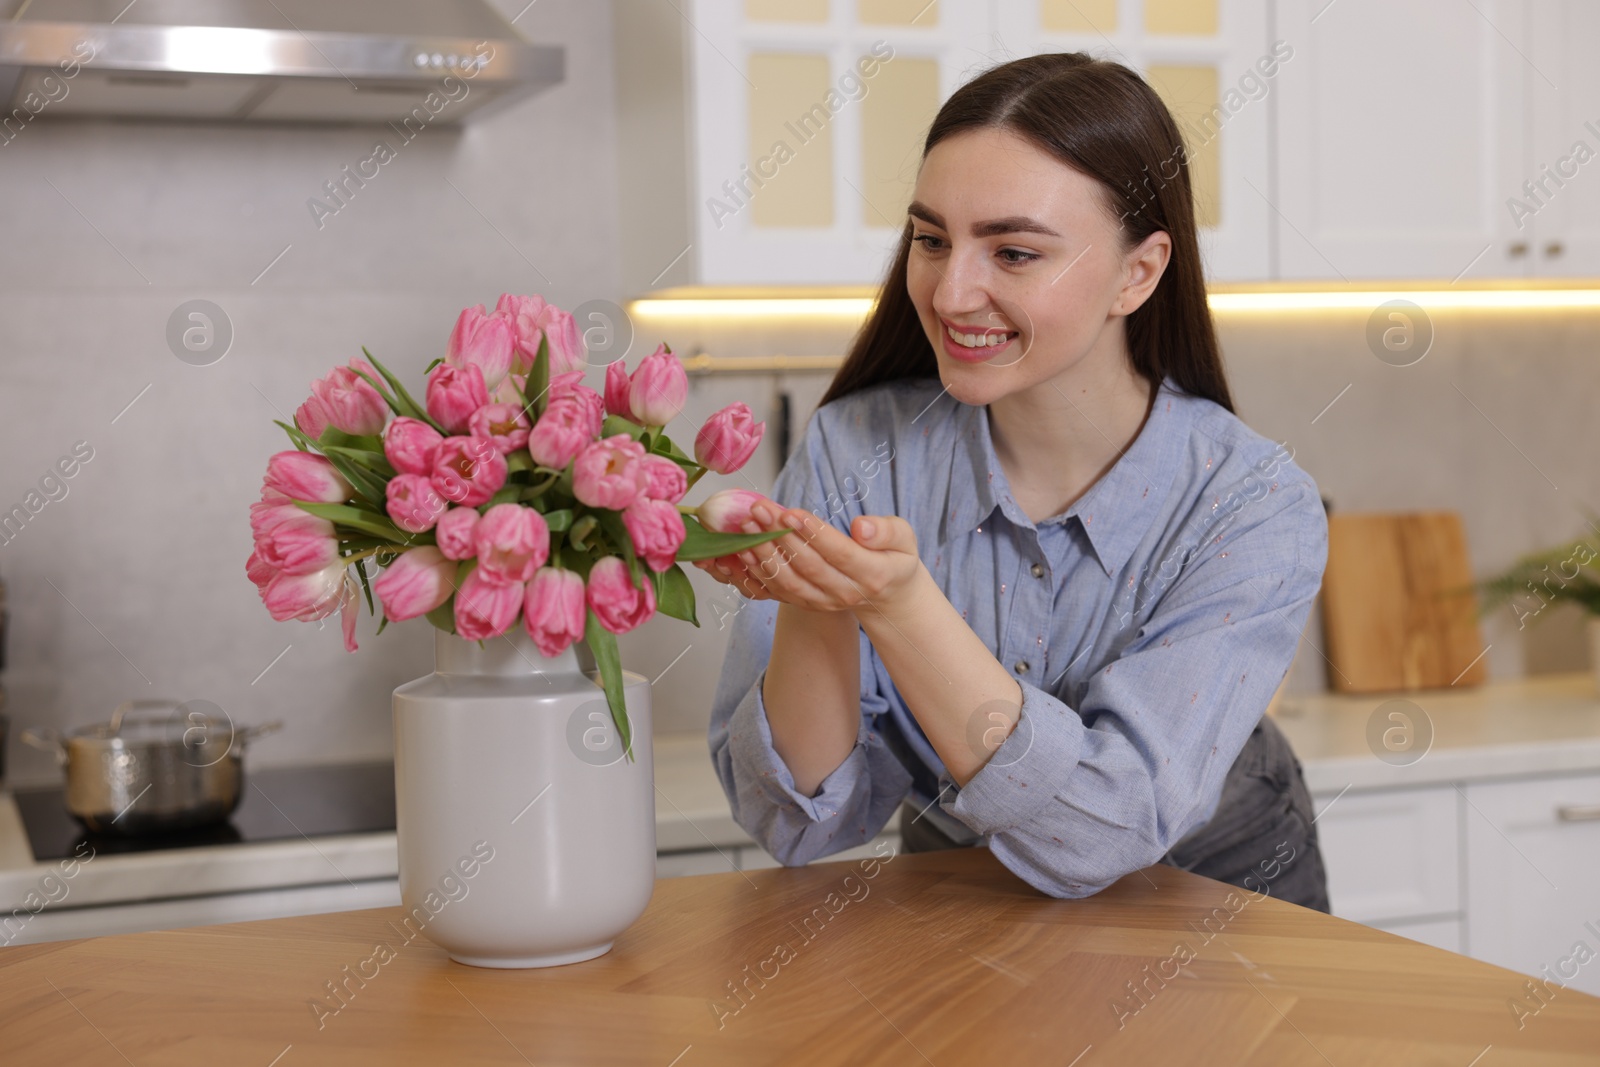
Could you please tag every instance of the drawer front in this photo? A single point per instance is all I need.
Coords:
(1391, 854)
(703, 861)
(1440, 933)
(1533, 863)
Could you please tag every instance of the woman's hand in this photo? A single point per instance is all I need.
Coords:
(820, 569)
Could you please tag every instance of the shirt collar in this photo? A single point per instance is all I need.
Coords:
(1114, 513)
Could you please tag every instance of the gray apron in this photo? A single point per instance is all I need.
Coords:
(1262, 837)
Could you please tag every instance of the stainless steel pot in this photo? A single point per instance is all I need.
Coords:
(160, 769)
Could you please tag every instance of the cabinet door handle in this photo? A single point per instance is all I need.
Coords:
(1518, 248)
(1553, 249)
(1579, 813)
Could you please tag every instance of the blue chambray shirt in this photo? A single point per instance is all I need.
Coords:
(1149, 625)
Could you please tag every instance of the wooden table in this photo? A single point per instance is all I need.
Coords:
(942, 958)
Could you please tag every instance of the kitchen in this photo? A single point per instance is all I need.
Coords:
(1401, 234)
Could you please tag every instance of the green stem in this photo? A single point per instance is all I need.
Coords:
(695, 477)
(397, 549)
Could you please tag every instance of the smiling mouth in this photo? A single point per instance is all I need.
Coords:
(981, 339)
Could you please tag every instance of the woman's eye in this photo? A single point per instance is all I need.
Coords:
(929, 242)
(1015, 256)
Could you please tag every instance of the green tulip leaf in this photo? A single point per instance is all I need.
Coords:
(603, 645)
(701, 543)
(345, 515)
(674, 594)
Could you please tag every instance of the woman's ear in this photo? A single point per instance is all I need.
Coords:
(1143, 267)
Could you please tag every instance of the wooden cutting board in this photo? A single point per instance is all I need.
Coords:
(1398, 610)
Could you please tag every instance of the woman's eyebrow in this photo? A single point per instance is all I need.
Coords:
(989, 228)
(1011, 224)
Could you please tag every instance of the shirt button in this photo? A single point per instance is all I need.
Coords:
(1021, 666)
(1037, 570)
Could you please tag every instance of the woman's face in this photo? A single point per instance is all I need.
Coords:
(1017, 270)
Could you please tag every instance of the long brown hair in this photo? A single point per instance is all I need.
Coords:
(1103, 120)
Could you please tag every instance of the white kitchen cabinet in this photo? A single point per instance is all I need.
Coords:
(723, 183)
(1423, 140)
(1559, 215)
(1399, 132)
(699, 861)
(767, 142)
(1506, 871)
(1440, 933)
(1533, 888)
(1392, 855)
(753, 857)
(1213, 62)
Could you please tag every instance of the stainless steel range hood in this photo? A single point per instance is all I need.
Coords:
(436, 61)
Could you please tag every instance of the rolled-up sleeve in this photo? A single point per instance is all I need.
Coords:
(1077, 797)
(856, 800)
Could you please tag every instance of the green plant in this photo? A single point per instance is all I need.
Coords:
(1569, 572)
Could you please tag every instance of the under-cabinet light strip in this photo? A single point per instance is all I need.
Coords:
(1358, 299)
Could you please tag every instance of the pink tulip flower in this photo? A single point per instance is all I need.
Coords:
(485, 607)
(298, 545)
(413, 503)
(415, 583)
(569, 389)
(258, 570)
(305, 597)
(307, 476)
(567, 351)
(664, 479)
(264, 515)
(608, 472)
(512, 541)
(532, 318)
(410, 444)
(553, 609)
(454, 533)
(727, 510)
(349, 402)
(658, 388)
(657, 530)
(728, 439)
(311, 418)
(617, 603)
(616, 395)
(560, 434)
(454, 393)
(504, 424)
(484, 341)
(468, 470)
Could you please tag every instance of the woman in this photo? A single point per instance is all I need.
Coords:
(1048, 582)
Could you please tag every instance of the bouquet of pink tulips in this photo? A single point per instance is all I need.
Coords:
(511, 492)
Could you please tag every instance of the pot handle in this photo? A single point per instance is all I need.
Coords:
(250, 733)
(47, 739)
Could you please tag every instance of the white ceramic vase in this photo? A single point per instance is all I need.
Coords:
(526, 837)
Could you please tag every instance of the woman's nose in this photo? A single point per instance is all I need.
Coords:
(961, 289)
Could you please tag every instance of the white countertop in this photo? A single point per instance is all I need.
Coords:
(1545, 725)
(1549, 724)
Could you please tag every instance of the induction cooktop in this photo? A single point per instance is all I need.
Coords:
(279, 803)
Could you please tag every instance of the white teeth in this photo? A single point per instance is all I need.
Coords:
(977, 340)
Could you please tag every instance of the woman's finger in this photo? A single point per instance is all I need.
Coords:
(811, 564)
(774, 570)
